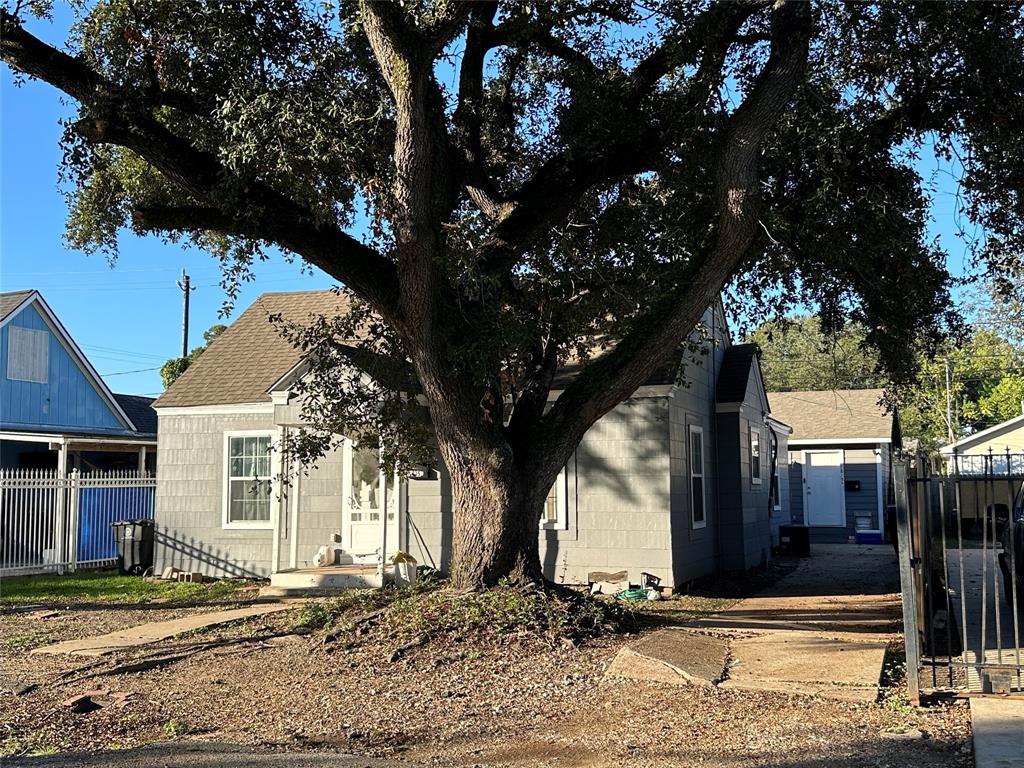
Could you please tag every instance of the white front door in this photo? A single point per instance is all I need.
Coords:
(823, 488)
(366, 493)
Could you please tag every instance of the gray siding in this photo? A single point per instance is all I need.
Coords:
(617, 505)
(694, 550)
(621, 516)
(190, 499)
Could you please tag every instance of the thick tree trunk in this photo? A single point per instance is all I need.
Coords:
(495, 520)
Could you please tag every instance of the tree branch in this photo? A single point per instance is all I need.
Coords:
(556, 187)
(112, 115)
(655, 338)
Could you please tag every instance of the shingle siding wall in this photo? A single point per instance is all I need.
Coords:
(190, 498)
(621, 516)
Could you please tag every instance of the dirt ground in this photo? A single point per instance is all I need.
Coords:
(475, 699)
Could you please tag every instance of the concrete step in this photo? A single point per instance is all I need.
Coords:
(313, 580)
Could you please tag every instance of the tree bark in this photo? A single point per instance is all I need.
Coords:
(496, 515)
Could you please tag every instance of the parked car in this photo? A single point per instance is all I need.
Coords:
(1012, 542)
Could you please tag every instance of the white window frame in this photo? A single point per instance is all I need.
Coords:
(561, 491)
(755, 479)
(14, 332)
(226, 522)
(777, 503)
(692, 430)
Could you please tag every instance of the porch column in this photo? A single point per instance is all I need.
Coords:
(277, 468)
(142, 460)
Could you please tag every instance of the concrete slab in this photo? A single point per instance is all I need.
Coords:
(845, 667)
(998, 727)
(821, 630)
(674, 656)
(145, 634)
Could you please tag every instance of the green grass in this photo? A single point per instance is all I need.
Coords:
(108, 587)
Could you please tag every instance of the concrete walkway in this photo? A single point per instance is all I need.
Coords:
(145, 634)
(820, 630)
(998, 726)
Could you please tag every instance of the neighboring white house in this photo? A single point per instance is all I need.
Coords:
(992, 450)
(676, 481)
(840, 461)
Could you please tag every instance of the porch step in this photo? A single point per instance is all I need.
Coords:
(305, 581)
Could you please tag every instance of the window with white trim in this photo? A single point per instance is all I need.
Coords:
(556, 507)
(248, 480)
(698, 510)
(755, 455)
(28, 355)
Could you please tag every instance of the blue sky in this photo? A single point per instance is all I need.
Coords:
(128, 319)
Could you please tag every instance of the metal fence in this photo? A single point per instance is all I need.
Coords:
(959, 534)
(50, 522)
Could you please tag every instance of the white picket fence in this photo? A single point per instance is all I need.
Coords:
(53, 523)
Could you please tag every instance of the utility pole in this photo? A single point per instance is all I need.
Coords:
(949, 402)
(186, 289)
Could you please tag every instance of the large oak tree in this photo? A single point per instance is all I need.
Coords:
(536, 183)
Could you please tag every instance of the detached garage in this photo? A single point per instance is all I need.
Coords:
(840, 459)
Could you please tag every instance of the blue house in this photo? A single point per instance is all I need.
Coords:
(55, 410)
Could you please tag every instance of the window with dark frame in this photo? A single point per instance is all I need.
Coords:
(698, 514)
(755, 455)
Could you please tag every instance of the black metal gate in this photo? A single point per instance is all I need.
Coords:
(960, 534)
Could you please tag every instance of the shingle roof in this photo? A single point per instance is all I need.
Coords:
(833, 414)
(245, 360)
(140, 410)
(734, 374)
(10, 301)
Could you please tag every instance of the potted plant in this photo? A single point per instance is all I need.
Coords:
(405, 569)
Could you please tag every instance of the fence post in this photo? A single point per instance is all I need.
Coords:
(73, 519)
(911, 630)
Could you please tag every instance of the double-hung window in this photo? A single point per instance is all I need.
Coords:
(556, 507)
(248, 480)
(755, 456)
(698, 512)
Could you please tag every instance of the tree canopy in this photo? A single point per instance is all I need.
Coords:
(505, 187)
(176, 366)
(964, 385)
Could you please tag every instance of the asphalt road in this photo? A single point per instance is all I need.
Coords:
(194, 755)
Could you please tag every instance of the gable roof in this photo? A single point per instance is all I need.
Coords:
(834, 414)
(245, 361)
(11, 300)
(734, 374)
(980, 437)
(12, 304)
(140, 411)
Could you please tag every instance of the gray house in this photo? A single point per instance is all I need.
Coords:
(678, 481)
(840, 461)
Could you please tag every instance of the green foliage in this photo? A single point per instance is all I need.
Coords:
(108, 587)
(985, 374)
(797, 354)
(176, 366)
(175, 728)
(504, 609)
(326, 613)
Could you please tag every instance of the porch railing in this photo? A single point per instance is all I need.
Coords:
(50, 522)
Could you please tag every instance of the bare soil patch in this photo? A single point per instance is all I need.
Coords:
(464, 697)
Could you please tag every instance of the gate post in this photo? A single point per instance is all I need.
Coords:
(908, 583)
(73, 519)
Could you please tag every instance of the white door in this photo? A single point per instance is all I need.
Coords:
(366, 493)
(823, 488)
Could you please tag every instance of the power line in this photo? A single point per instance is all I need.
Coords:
(137, 370)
